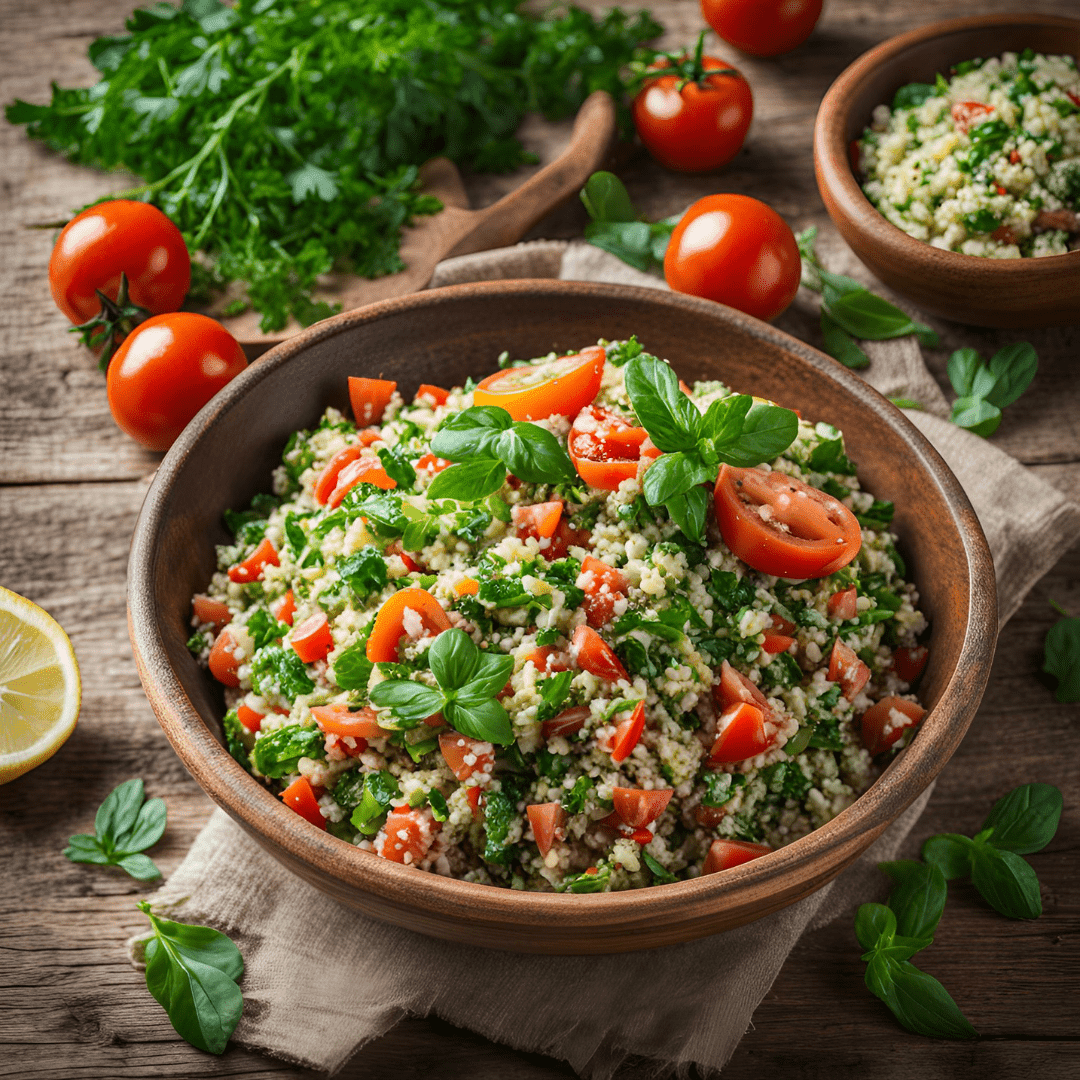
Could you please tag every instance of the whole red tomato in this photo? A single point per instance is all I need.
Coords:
(762, 27)
(167, 369)
(737, 251)
(690, 120)
(133, 238)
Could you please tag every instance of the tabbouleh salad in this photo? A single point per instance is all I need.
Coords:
(506, 633)
(985, 163)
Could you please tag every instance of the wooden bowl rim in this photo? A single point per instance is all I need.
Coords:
(834, 172)
(236, 791)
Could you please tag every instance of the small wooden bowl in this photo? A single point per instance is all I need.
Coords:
(984, 292)
(227, 453)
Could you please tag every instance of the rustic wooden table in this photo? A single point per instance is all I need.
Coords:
(70, 488)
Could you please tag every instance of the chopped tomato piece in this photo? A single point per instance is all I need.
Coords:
(603, 585)
(328, 478)
(969, 114)
(467, 587)
(558, 387)
(777, 643)
(725, 854)
(709, 816)
(568, 722)
(546, 658)
(251, 569)
(341, 720)
(605, 448)
(406, 836)
(1014, 155)
(300, 796)
(546, 820)
(848, 670)
(362, 471)
(247, 716)
(436, 393)
(886, 720)
(312, 640)
(564, 539)
(592, 653)
(740, 735)
(844, 604)
(430, 461)
(808, 533)
(472, 796)
(284, 609)
(211, 611)
(638, 807)
(369, 398)
(782, 625)
(223, 663)
(539, 520)
(389, 627)
(734, 687)
(628, 733)
(395, 548)
(642, 836)
(909, 663)
(369, 435)
(466, 756)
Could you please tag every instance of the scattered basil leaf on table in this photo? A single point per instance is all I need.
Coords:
(616, 227)
(1062, 657)
(126, 824)
(192, 972)
(983, 390)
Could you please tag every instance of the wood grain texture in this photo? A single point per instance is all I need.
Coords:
(70, 1006)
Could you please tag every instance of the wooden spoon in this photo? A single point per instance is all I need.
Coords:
(456, 229)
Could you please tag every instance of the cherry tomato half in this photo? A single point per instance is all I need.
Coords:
(389, 628)
(698, 125)
(762, 27)
(605, 449)
(737, 251)
(822, 534)
(166, 370)
(121, 236)
(560, 387)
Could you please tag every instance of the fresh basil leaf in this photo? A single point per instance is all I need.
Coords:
(1014, 367)
(85, 849)
(118, 813)
(924, 1006)
(723, 420)
(148, 828)
(408, 701)
(768, 431)
(840, 345)
(489, 677)
(1026, 819)
(951, 853)
(453, 658)
(486, 720)
(439, 810)
(280, 751)
(468, 482)
(192, 972)
(977, 415)
(631, 241)
(663, 410)
(660, 875)
(913, 95)
(498, 508)
(833, 286)
(277, 670)
(874, 924)
(1007, 883)
(918, 896)
(675, 474)
(873, 318)
(534, 455)
(471, 433)
(1062, 658)
(606, 198)
(140, 867)
(689, 511)
(381, 508)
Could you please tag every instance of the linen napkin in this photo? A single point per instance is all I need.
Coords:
(321, 980)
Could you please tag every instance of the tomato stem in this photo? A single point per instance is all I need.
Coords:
(688, 69)
(112, 324)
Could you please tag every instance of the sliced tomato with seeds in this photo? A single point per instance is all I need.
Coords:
(284, 609)
(407, 835)
(389, 626)
(546, 820)
(300, 796)
(605, 448)
(805, 533)
(465, 756)
(560, 387)
(638, 807)
(628, 733)
(592, 653)
(844, 604)
(886, 720)
(472, 797)
(603, 585)
(782, 625)
(847, 669)
(362, 471)
(909, 663)
(709, 816)
(247, 716)
(369, 398)
(564, 539)
(735, 687)
(328, 478)
(312, 640)
(568, 722)
(346, 722)
(211, 611)
(222, 661)
(740, 735)
(540, 520)
(725, 854)
(251, 569)
(369, 435)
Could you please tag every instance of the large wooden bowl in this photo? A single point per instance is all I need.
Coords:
(226, 455)
(984, 292)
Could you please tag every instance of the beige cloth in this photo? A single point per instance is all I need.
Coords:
(320, 980)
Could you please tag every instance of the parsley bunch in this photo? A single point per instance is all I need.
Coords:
(283, 136)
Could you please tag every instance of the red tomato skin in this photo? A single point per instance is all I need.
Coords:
(568, 722)
(560, 395)
(223, 665)
(284, 609)
(369, 398)
(539, 520)
(735, 687)
(343, 721)
(456, 748)
(844, 605)
(969, 114)
(765, 547)
(300, 797)
(546, 820)
(847, 669)
(547, 659)
(211, 611)
(762, 27)
(361, 471)
(777, 643)
(247, 716)
(725, 854)
(604, 448)
(909, 663)
(312, 640)
(328, 478)
(628, 733)
(700, 127)
(895, 712)
(740, 735)
(638, 807)
(420, 828)
(386, 634)
(737, 251)
(251, 569)
(166, 370)
(436, 393)
(592, 653)
(430, 461)
(121, 236)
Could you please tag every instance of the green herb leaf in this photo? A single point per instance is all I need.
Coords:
(872, 318)
(767, 432)
(918, 896)
(675, 474)
(468, 482)
(486, 720)
(874, 924)
(977, 415)
(140, 867)
(453, 658)
(488, 678)
(534, 455)
(660, 875)
(280, 751)
(840, 345)
(1062, 658)
(913, 95)
(1026, 819)
(86, 849)
(606, 198)
(119, 812)
(124, 825)
(1014, 367)
(406, 700)
(923, 1005)
(1007, 883)
(666, 413)
(278, 670)
(148, 829)
(472, 433)
(951, 853)
(689, 511)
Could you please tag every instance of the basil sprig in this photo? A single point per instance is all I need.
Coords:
(1062, 656)
(984, 390)
(125, 825)
(1023, 821)
(488, 444)
(192, 972)
(468, 682)
(616, 227)
(849, 310)
(737, 430)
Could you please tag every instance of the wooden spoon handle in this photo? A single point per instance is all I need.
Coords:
(508, 220)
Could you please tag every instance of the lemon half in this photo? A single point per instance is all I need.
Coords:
(40, 689)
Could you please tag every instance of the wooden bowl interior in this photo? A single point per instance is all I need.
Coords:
(227, 455)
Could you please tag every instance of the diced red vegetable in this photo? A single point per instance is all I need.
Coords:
(725, 854)
(211, 611)
(300, 796)
(369, 398)
(546, 820)
(848, 670)
(638, 807)
(628, 733)
(886, 721)
(251, 569)
(592, 653)
(312, 640)
(740, 734)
